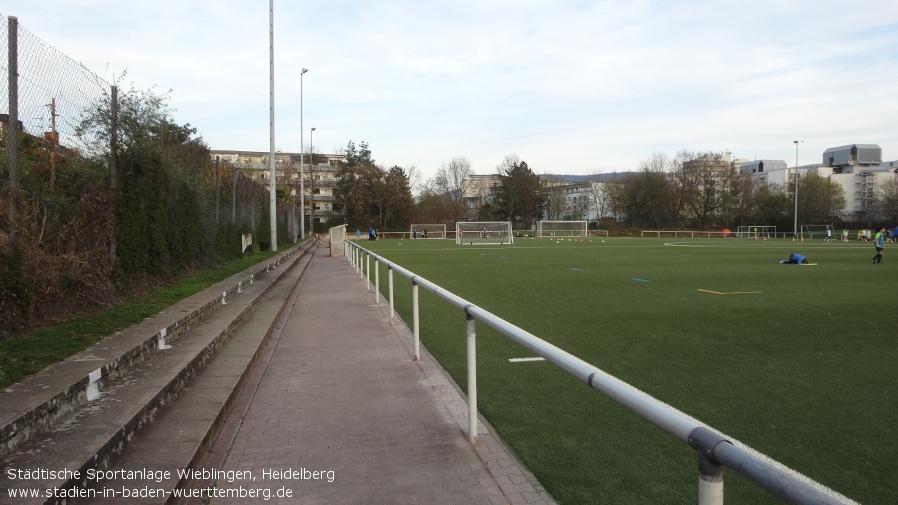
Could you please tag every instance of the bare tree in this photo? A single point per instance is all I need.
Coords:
(555, 201)
(886, 203)
(415, 180)
(598, 197)
(658, 192)
(703, 180)
(449, 182)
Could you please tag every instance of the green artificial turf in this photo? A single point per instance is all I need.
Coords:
(798, 362)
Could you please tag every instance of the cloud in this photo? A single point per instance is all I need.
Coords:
(571, 86)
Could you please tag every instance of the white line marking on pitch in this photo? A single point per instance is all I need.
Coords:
(520, 360)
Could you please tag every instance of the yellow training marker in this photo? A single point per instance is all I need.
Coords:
(731, 293)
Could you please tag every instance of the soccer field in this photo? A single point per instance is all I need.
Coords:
(798, 362)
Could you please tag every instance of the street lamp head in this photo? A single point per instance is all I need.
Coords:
(304, 70)
(313, 129)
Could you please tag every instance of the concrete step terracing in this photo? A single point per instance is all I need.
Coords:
(81, 413)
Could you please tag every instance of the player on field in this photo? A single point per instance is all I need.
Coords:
(879, 242)
(795, 259)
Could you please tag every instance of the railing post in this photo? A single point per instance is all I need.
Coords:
(710, 480)
(376, 281)
(416, 321)
(472, 379)
(390, 283)
(368, 272)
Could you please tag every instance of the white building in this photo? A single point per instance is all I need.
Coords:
(857, 168)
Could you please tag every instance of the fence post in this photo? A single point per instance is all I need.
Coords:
(710, 481)
(390, 283)
(113, 165)
(217, 189)
(376, 281)
(472, 378)
(367, 272)
(416, 321)
(233, 193)
(13, 128)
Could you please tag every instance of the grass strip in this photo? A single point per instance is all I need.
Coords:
(34, 351)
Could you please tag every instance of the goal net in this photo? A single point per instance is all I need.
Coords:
(816, 231)
(756, 231)
(565, 229)
(427, 231)
(484, 232)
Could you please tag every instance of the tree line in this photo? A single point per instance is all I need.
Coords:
(706, 191)
(369, 195)
(142, 204)
(692, 190)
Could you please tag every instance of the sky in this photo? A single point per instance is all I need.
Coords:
(568, 86)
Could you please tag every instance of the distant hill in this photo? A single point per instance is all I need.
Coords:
(595, 177)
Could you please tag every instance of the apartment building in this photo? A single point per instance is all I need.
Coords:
(857, 168)
(319, 176)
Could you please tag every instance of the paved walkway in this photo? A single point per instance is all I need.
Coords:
(344, 415)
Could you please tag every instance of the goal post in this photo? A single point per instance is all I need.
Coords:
(816, 231)
(427, 231)
(562, 229)
(756, 231)
(484, 232)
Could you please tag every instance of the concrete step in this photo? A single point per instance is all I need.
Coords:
(81, 414)
(197, 428)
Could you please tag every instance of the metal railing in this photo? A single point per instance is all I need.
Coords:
(715, 452)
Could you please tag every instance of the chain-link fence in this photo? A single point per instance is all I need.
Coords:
(54, 90)
(87, 206)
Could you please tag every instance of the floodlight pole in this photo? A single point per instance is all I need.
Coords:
(272, 174)
(796, 186)
(311, 197)
(302, 177)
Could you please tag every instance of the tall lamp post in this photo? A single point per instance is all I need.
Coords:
(796, 186)
(302, 177)
(311, 197)
(272, 174)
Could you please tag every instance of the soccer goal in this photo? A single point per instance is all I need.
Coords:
(484, 232)
(816, 231)
(562, 229)
(756, 231)
(427, 231)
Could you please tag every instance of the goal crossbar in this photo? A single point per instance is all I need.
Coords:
(484, 232)
(565, 229)
(427, 231)
(763, 231)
